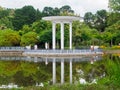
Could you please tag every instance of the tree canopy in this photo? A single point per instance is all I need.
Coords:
(25, 26)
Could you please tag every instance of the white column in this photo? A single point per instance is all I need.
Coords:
(54, 71)
(62, 71)
(70, 35)
(53, 35)
(70, 71)
(62, 35)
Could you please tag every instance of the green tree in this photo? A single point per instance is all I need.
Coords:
(4, 13)
(89, 19)
(5, 18)
(97, 21)
(38, 15)
(101, 20)
(25, 15)
(83, 34)
(48, 11)
(29, 38)
(45, 36)
(26, 29)
(9, 38)
(5, 23)
(41, 25)
(113, 18)
(114, 5)
(66, 10)
(112, 34)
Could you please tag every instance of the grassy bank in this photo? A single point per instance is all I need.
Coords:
(71, 87)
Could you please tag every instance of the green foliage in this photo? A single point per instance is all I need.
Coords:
(48, 11)
(4, 13)
(26, 29)
(63, 11)
(45, 36)
(101, 28)
(9, 38)
(66, 11)
(98, 20)
(23, 73)
(113, 70)
(111, 34)
(83, 35)
(29, 38)
(72, 87)
(114, 5)
(26, 15)
(5, 18)
(5, 23)
(89, 19)
(41, 25)
(115, 47)
(113, 17)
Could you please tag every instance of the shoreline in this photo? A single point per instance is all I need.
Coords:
(50, 53)
(38, 53)
(111, 51)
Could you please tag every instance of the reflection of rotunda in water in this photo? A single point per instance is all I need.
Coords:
(54, 61)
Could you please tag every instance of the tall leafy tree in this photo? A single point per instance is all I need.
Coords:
(89, 19)
(98, 20)
(25, 15)
(41, 25)
(9, 38)
(113, 18)
(114, 5)
(112, 33)
(29, 38)
(45, 36)
(56, 11)
(114, 15)
(66, 10)
(101, 20)
(5, 23)
(48, 11)
(38, 15)
(5, 18)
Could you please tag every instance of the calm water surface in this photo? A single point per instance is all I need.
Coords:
(29, 71)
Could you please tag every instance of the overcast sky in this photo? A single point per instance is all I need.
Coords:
(79, 6)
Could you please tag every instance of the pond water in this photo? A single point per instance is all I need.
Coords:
(39, 71)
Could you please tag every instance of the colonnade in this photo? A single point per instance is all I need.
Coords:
(62, 34)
